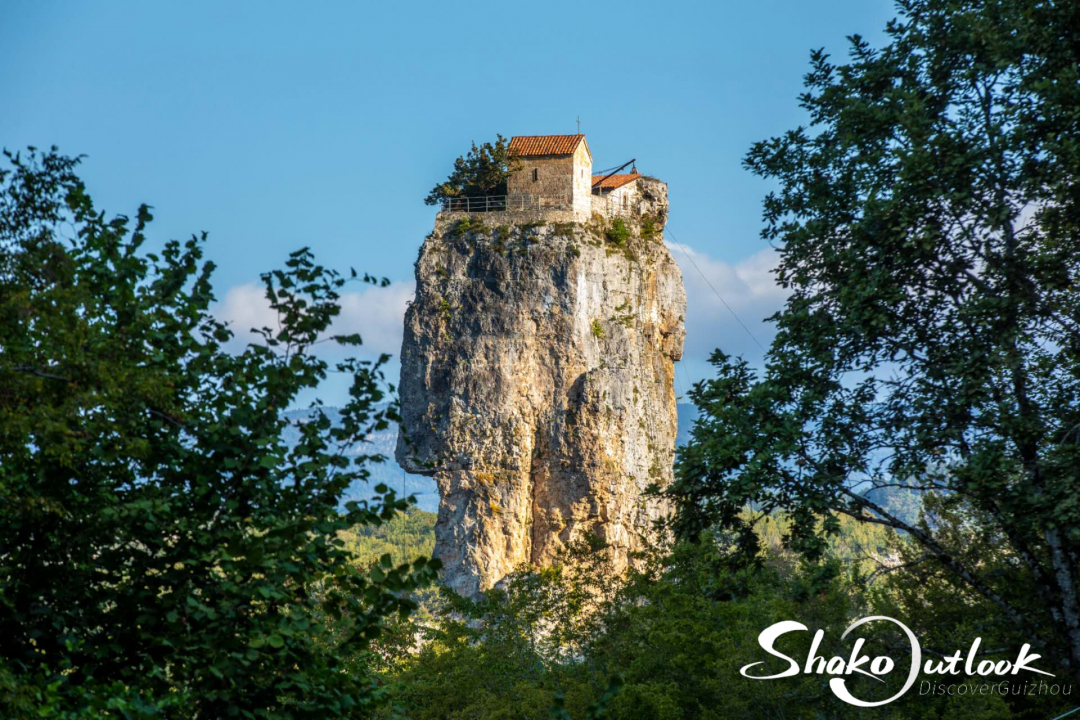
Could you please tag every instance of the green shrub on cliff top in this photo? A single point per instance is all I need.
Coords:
(483, 171)
(618, 233)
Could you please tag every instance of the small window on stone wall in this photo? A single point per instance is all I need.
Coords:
(536, 174)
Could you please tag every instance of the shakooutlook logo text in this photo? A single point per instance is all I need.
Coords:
(881, 665)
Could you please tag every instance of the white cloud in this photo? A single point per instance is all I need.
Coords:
(377, 314)
(245, 307)
(749, 287)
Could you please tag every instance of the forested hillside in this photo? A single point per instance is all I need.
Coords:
(408, 535)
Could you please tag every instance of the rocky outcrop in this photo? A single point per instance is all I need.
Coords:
(537, 384)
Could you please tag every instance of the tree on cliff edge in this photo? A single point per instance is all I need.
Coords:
(484, 170)
(928, 222)
(163, 551)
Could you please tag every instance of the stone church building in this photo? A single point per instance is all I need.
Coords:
(554, 178)
(558, 168)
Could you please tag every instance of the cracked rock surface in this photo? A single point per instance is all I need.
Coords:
(537, 385)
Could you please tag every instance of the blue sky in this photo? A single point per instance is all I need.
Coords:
(275, 125)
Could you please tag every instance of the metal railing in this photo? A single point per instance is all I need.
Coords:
(614, 207)
(501, 203)
(601, 203)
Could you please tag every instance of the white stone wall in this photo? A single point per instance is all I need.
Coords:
(582, 182)
(625, 200)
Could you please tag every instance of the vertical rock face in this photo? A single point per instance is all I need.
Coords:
(537, 384)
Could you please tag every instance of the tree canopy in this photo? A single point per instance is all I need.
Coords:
(164, 552)
(484, 170)
(928, 228)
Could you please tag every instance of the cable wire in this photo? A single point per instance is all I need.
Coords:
(679, 245)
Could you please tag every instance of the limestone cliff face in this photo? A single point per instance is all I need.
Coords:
(537, 384)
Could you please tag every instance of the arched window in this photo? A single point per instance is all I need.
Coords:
(536, 174)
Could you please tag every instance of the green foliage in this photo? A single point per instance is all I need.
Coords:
(484, 170)
(618, 233)
(928, 219)
(500, 236)
(564, 230)
(674, 636)
(165, 552)
(596, 711)
(468, 225)
(861, 548)
(575, 641)
(490, 657)
(649, 228)
(597, 330)
(406, 536)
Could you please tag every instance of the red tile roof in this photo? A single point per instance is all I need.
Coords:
(613, 181)
(533, 145)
